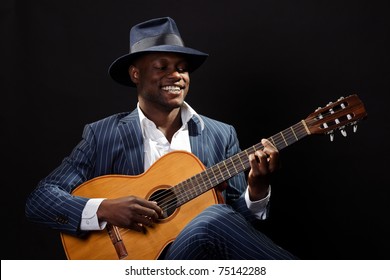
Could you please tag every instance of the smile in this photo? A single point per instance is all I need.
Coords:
(172, 89)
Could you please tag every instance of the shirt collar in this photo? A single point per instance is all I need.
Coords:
(187, 113)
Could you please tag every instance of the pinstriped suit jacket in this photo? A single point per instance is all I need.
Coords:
(114, 145)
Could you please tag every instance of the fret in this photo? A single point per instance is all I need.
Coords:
(202, 185)
(227, 169)
(220, 171)
(281, 134)
(214, 176)
(208, 178)
(292, 130)
(183, 191)
(234, 165)
(187, 186)
(194, 189)
(272, 141)
(243, 167)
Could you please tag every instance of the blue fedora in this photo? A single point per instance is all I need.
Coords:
(155, 35)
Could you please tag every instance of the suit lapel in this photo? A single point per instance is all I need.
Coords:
(131, 135)
(198, 140)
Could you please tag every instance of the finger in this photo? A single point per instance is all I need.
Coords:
(262, 158)
(137, 227)
(253, 162)
(269, 148)
(273, 154)
(258, 163)
(150, 208)
(158, 209)
(142, 212)
(268, 144)
(146, 221)
(139, 222)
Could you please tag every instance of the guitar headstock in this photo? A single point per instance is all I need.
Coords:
(346, 111)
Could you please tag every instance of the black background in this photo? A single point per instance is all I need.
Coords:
(271, 64)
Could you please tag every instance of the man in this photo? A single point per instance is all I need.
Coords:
(158, 65)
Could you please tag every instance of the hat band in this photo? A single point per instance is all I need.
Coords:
(166, 39)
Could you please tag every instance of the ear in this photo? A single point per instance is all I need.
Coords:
(134, 74)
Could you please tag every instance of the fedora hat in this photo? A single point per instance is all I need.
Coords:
(155, 35)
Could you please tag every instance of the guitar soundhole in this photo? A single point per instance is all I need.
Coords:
(166, 199)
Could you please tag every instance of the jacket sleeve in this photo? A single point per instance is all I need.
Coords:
(237, 185)
(51, 204)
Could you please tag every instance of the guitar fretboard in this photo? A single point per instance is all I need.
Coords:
(214, 175)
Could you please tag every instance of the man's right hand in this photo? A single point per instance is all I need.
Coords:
(129, 212)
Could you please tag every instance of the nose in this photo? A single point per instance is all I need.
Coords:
(174, 74)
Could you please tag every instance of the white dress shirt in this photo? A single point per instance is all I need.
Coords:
(155, 146)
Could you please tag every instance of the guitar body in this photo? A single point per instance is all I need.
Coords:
(168, 171)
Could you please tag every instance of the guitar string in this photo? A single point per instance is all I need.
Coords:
(283, 139)
(167, 202)
(232, 162)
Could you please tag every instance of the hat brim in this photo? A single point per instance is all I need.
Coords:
(118, 70)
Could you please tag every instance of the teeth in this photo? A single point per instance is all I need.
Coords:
(172, 89)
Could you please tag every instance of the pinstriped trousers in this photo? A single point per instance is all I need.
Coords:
(220, 232)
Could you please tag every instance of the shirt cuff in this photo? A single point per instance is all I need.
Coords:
(89, 219)
(259, 207)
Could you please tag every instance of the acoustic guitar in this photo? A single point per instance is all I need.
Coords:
(183, 188)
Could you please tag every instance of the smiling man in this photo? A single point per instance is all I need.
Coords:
(132, 143)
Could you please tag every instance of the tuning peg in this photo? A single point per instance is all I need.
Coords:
(343, 107)
(337, 121)
(320, 116)
(354, 126)
(331, 135)
(343, 132)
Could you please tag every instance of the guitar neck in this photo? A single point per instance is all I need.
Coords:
(214, 175)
